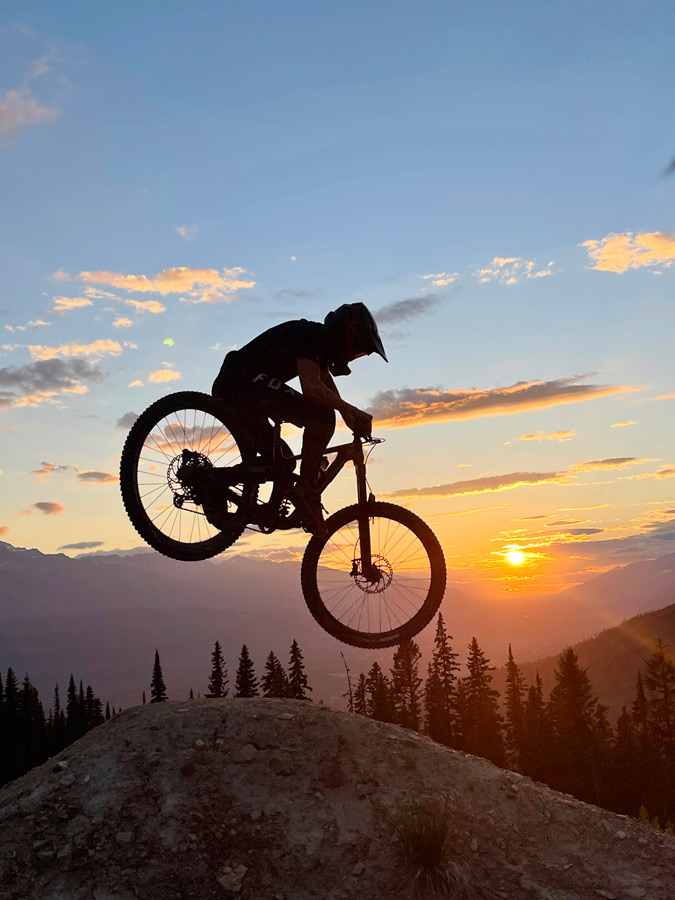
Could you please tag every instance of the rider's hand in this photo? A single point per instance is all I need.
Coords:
(361, 423)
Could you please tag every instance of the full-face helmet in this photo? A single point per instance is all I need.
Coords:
(355, 322)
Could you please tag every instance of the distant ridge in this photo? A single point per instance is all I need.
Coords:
(612, 657)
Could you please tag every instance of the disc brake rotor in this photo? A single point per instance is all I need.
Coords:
(382, 573)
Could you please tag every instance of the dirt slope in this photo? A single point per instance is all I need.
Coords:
(271, 799)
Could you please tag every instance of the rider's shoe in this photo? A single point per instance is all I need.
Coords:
(307, 498)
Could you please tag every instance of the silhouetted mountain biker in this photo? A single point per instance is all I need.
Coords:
(255, 380)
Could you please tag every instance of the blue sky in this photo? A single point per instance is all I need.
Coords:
(453, 159)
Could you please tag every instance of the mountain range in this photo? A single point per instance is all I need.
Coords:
(102, 616)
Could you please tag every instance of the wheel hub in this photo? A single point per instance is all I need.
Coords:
(378, 579)
(184, 476)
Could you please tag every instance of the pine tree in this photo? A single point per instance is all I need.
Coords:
(406, 685)
(444, 660)
(191, 695)
(144, 701)
(246, 684)
(640, 712)
(157, 687)
(107, 710)
(537, 734)
(32, 726)
(484, 722)
(75, 724)
(660, 684)
(379, 703)
(360, 704)
(515, 712)
(461, 717)
(580, 748)
(218, 679)
(275, 681)
(297, 680)
(436, 719)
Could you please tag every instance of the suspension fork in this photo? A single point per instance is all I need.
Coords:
(368, 570)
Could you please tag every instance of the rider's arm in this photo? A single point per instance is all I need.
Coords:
(318, 385)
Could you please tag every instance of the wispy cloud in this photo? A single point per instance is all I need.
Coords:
(50, 507)
(127, 420)
(4, 529)
(511, 270)
(65, 304)
(19, 109)
(613, 462)
(520, 479)
(621, 252)
(441, 279)
(187, 232)
(135, 383)
(623, 424)
(151, 306)
(95, 350)
(199, 285)
(403, 310)
(548, 436)
(664, 472)
(47, 469)
(40, 381)
(484, 484)
(82, 545)
(122, 322)
(162, 375)
(91, 477)
(415, 406)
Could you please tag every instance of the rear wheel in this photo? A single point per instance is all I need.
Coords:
(388, 603)
(171, 476)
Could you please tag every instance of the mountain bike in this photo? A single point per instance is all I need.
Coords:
(191, 474)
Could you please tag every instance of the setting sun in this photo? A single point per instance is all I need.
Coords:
(515, 557)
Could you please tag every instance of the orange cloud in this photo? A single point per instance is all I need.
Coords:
(3, 530)
(441, 279)
(151, 306)
(613, 462)
(50, 508)
(664, 472)
(122, 322)
(164, 375)
(620, 252)
(550, 436)
(201, 285)
(623, 424)
(487, 483)
(103, 347)
(63, 304)
(135, 383)
(664, 397)
(521, 479)
(91, 477)
(415, 406)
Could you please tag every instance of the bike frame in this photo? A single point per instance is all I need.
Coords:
(344, 453)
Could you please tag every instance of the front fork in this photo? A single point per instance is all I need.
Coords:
(369, 571)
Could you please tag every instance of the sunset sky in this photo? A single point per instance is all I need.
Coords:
(491, 179)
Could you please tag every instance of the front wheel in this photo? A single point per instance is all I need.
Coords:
(386, 602)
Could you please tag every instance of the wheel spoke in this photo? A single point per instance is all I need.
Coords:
(399, 589)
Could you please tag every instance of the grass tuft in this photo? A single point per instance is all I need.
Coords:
(422, 832)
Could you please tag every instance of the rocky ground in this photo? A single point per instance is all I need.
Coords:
(284, 800)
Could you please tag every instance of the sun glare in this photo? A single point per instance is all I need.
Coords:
(515, 557)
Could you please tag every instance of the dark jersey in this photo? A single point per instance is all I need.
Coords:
(276, 351)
